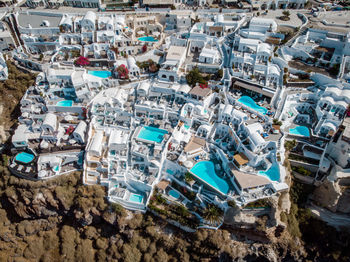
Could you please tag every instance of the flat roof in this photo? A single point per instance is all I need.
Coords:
(254, 88)
(248, 180)
(241, 158)
(175, 52)
(346, 124)
(194, 144)
(163, 184)
(35, 21)
(198, 91)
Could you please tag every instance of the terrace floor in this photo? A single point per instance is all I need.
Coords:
(308, 68)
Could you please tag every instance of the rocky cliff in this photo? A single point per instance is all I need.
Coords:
(333, 196)
(63, 220)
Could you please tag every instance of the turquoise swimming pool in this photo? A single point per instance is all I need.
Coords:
(205, 171)
(65, 103)
(273, 173)
(300, 131)
(136, 198)
(152, 134)
(24, 157)
(249, 102)
(170, 172)
(147, 39)
(174, 194)
(102, 74)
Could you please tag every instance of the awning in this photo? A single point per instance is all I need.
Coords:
(241, 159)
(247, 181)
(254, 88)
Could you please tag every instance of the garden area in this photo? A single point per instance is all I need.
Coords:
(187, 193)
(261, 203)
(302, 171)
(172, 211)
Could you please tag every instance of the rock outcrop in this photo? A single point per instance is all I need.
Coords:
(333, 196)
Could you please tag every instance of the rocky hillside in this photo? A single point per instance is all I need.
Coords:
(63, 220)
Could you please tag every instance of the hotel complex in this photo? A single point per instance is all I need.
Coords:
(197, 109)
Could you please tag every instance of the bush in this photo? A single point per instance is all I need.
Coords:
(118, 209)
(232, 203)
(82, 61)
(286, 13)
(276, 122)
(188, 177)
(123, 72)
(301, 170)
(259, 203)
(289, 145)
(334, 70)
(159, 199)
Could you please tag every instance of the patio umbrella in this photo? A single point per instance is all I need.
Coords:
(68, 118)
(156, 33)
(42, 173)
(44, 144)
(188, 164)
(182, 158)
(141, 32)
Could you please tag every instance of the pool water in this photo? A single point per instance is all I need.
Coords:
(147, 39)
(300, 131)
(136, 198)
(205, 171)
(101, 74)
(66, 103)
(273, 173)
(24, 157)
(174, 194)
(152, 134)
(249, 102)
(170, 172)
(56, 168)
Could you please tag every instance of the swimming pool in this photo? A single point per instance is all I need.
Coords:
(102, 74)
(300, 131)
(66, 103)
(136, 198)
(273, 173)
(152, 134)
(205, 171)
(249, 102)
(174, 194)
(24, 157)
(147, 39)
(170, 172)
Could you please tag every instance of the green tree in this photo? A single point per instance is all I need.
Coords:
(213, 213)
(188, 177)
(194, 76)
